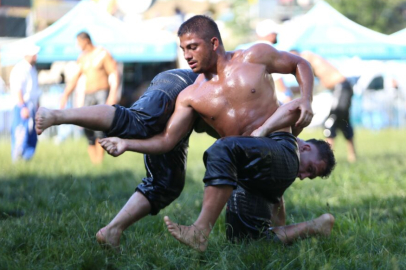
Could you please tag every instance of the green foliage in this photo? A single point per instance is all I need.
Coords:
(240, 25)
(65, 200)
(385, 16)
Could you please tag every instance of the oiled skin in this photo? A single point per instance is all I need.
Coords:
(234, 93)
(238, 102)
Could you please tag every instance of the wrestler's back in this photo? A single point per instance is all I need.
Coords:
(328, 75)
(238, 101)
(94, 68)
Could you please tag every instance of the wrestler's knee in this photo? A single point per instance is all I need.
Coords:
(160, 196)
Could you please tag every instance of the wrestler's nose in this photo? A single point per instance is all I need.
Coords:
(187, 55)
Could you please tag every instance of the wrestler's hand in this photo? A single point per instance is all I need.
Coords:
(259, 132)
(114, 146)
(306, 113)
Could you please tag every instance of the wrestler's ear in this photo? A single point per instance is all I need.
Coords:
(214, 43)
(305, 147)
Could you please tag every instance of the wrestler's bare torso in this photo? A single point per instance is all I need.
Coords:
(236, 101)
(95, 66)
(329, 75)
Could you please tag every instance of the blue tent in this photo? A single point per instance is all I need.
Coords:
(126, 44)
(326, 32)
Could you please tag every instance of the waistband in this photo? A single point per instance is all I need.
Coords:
(172, 82)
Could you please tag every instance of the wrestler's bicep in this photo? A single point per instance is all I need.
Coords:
(182, 119)
(110, 64)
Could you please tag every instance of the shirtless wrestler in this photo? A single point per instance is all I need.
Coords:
(166, 173)
(102, 81)
(235, 96)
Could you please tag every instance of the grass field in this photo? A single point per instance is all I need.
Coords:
(64, 200)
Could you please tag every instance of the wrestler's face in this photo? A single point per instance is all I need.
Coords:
(199, 53)
(310, 164)
(82, 43)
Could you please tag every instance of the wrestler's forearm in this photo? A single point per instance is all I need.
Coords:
(158, 144)
(68, 91)
(305, 78)
(114, 81)
(285, 116)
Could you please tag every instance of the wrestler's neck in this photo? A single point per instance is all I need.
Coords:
(218, 68)
(88, 48)
(300, 142)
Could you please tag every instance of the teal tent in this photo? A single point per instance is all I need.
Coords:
(326, 32)
(126, 43)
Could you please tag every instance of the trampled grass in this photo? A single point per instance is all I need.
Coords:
(62, 200)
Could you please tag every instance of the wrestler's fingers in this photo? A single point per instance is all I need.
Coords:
(111, 150)
(110, 147)
(300, 120)
(102, 141)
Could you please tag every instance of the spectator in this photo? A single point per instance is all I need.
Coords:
(26, 93)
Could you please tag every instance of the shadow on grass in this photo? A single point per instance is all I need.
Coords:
(30, 193)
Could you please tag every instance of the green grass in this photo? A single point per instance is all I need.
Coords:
(64, 200)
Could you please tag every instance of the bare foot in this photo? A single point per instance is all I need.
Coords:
(109, 238)
(352, 158)
(44, 118)
(188, 235)
(324, 224)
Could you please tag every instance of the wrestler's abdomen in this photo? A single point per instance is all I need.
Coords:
(239, 102)
(94, 71)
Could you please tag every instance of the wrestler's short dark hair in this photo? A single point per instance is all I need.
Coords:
(84, 35)
(203, 26)
(326, 154)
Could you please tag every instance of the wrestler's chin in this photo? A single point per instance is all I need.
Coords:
(197, 70)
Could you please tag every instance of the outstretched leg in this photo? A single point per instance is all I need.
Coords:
(135, 209)
(98, 117)
(320, 226)
(351, 156)
(196, 235)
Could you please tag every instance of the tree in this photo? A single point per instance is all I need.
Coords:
(385, 16)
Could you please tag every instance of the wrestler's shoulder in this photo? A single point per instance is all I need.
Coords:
(254, 53)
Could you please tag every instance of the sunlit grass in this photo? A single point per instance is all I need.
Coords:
(64, 200)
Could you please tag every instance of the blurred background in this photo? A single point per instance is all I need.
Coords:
(364, 40)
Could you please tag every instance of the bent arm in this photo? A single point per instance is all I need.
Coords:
(285, 63)
(285, 116)
(178, 126)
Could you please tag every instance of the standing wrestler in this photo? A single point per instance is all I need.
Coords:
(102, 81)
(339, 117)
(235, 96)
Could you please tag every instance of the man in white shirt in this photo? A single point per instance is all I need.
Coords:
(26, 93)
